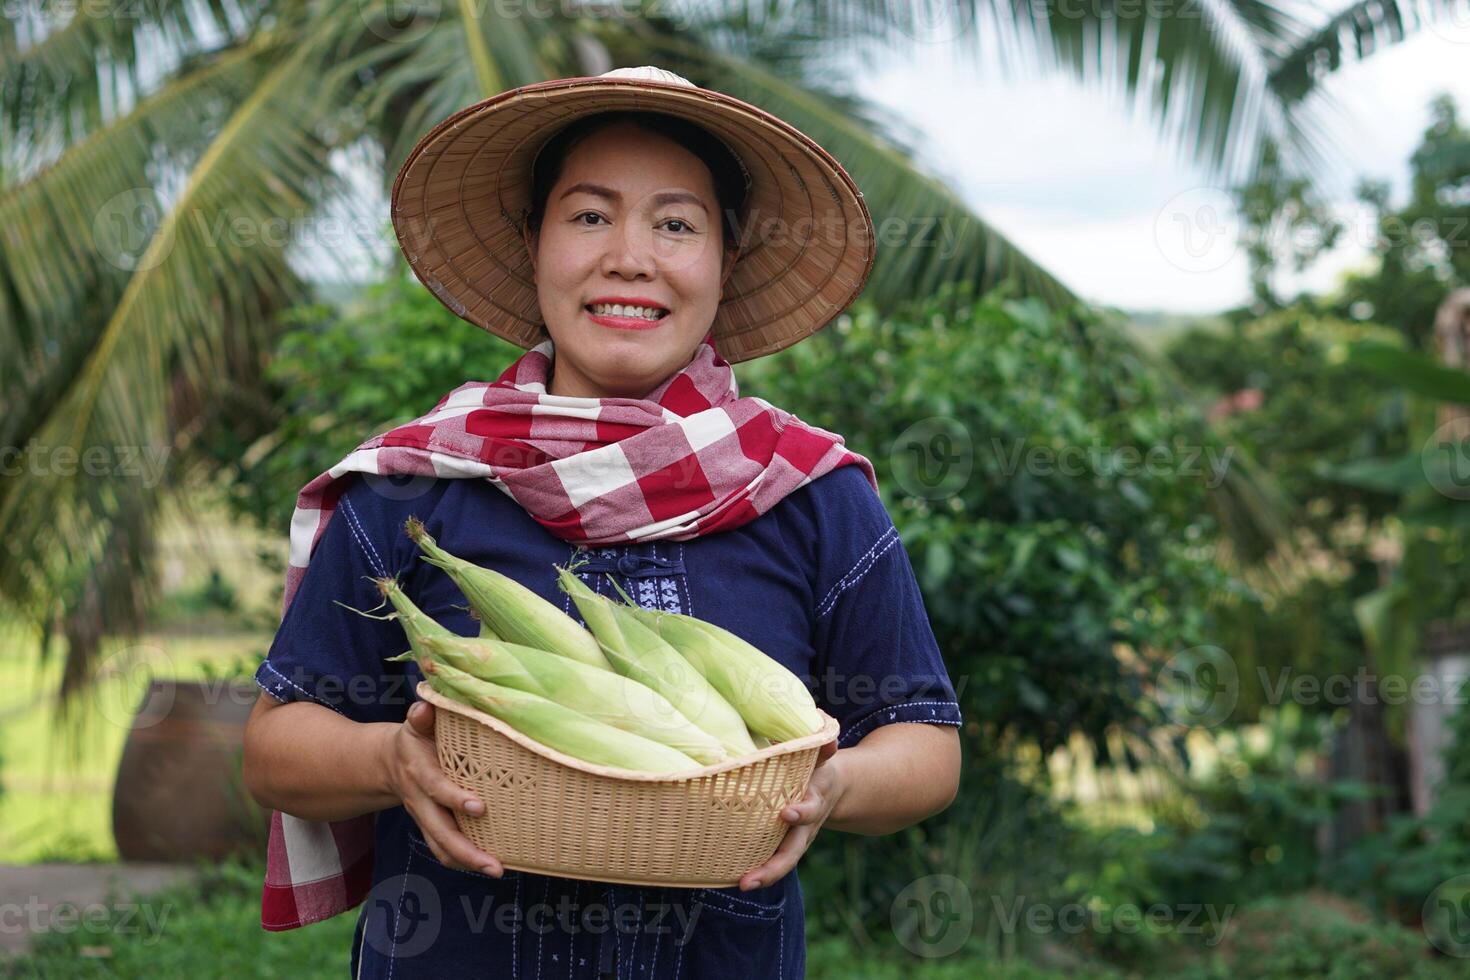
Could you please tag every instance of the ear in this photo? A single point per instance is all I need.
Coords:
(530, 238)
(730, 256)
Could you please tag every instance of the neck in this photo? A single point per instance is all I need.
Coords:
(581, 388)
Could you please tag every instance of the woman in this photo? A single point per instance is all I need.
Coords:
(604, 224)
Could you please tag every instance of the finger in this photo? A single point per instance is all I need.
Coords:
(806, 811)
(421, 718)
(792, 847)
(440, 830)
(438, 852)
(450, 795)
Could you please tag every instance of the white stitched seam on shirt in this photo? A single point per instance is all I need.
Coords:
(905, 721)
(545, 890)
(830, 600)
(363, 541)
(894, 707)
(572, 935)
(747, 915)
(877, 715)
(269, 666)
(261, 684)
(755, 905)
(679, 961)
(393, 950)
(659, 935)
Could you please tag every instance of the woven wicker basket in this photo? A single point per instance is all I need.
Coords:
(549, 813)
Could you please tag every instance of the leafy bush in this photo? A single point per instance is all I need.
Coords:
(1249, 827)
(1319, 935)
(1401, 866)
(339, 376)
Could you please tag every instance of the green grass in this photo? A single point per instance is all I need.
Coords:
(207, 929)
(56, 781)
(211, 928)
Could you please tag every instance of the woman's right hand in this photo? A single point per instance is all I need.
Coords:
(432, 797)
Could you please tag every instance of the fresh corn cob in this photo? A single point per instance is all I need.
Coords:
(772, 700)
(636, 651)
(556, 725)
(602, 695)
(513, 612)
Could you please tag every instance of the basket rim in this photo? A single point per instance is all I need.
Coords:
(828, 733)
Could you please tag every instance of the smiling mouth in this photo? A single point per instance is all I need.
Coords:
(642, 314)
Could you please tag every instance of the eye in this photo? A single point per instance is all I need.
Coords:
(683, 225)
(586, 214)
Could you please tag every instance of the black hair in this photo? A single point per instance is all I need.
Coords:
(729, 176)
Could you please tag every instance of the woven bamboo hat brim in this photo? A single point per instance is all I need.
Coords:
(461, 198)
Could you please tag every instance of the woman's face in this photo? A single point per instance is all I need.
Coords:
(633, 219)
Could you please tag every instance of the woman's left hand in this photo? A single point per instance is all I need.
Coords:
(805, 817)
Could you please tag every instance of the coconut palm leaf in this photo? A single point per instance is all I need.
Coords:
(79, 76)
(59, 264)
(1218, 77)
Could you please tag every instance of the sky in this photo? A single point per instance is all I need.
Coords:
(1101, 200)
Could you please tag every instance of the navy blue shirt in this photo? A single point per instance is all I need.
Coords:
(821, 583)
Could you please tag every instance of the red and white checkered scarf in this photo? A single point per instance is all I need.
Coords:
(690, 459)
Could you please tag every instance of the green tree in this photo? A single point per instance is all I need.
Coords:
(1423, 248)
(136, 143)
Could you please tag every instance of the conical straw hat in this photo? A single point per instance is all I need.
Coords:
(461, 198)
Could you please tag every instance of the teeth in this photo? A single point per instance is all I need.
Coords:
(617, 309)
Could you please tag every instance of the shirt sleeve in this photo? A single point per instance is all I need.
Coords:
(878, 662)
(328, 654)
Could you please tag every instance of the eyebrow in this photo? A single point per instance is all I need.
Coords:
(662, 197)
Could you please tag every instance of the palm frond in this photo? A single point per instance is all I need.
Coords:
(63, 249)
(74, 77)
(1351, 34)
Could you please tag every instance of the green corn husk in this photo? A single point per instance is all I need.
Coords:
(602, 695)
(556, 725)
(416, 623)
(513, 612)
(486, 633)
(773, 701)
(636, 651)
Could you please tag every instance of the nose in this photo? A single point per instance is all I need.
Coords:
(629, 253)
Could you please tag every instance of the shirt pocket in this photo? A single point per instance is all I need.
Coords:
(737, 934)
